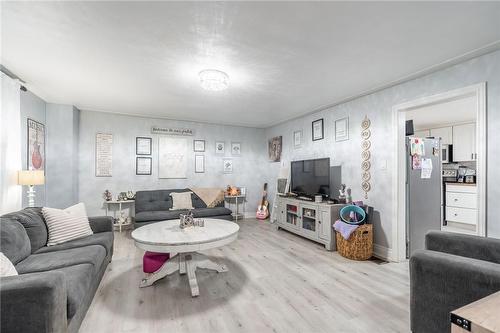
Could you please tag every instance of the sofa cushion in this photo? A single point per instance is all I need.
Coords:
(158, 215)
(66, 224)
(32, 220)
(208, 212)
(181, 200)
(104, 239)
(92, 254)
(159, 200)
(78, 282)
(14, 241)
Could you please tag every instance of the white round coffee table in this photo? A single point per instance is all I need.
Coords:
(182, 244)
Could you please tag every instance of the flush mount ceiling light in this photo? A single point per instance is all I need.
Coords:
(213, 80)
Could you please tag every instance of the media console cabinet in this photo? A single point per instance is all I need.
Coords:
(309, 219)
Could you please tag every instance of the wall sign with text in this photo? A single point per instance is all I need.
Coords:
(172, 131)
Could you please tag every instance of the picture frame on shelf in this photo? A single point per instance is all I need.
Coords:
(143, 166)
(235, 148)
(227, 165)
(143, 145)
(220, 147)
(342, 129)
(199, 163)
(318, 130)
(297, 139)
(199, 145)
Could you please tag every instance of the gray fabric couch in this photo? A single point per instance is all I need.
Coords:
(453, 270)
(56, 284)
(154, 206)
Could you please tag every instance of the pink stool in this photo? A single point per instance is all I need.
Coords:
(152, 261)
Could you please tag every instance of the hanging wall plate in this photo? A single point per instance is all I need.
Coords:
(365, 134)
(365, 155)
(366, 144)
(365, 123)
(366, 176)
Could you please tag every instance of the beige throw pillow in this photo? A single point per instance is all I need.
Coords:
(181, 200)
(6, 266)
(66, 224)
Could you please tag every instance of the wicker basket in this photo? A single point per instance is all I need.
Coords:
(359, 246)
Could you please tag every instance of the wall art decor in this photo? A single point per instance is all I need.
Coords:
(143, 165)
(297, 139)
(143, 145)
(199, 163)
(365, 156)
(342, 129)
(172, 160)
(236, 148)
(227, 165)
(36, 145)
(274, 149)
(318, 130)
(103, 155)
(199, 145)
(172, 131)
(220, 147)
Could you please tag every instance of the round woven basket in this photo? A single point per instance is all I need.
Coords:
(359, 246)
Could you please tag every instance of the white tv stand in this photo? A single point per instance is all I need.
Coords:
(309, 219)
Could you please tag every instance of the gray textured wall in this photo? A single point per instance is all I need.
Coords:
(32, 107)
(62, 151)
(250, 169)
(377, 107)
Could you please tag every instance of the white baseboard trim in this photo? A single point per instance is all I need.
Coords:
(382, 252)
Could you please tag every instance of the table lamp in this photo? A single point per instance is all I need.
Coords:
(31, 178)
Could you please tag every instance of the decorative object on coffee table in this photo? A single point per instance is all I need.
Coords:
(365, 155)
(168, 237)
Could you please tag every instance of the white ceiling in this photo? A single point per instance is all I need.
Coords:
(457, 111)
(284, 59)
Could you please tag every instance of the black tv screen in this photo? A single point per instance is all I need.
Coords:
(311, 177)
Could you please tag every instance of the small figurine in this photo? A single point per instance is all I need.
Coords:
(342, 193)
(107, 195)
(122, 196)
(130, 195)
(188, 220)
(348, 197)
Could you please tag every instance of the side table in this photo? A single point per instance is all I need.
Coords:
(120, 221)
(236, 214)
(480, 316)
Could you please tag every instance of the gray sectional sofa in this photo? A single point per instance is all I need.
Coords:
(56, 284)
(154, 206)
(453, 270)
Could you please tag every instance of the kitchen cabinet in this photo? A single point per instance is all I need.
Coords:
(464, 143)
(445, 133)
(461, 208)
(422, 133)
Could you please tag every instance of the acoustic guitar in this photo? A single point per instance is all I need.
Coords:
(263, 209)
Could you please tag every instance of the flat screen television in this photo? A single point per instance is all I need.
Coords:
(311, 177)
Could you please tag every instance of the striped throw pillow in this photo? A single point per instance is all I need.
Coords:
(66, 224)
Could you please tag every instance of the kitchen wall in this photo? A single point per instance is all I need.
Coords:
(32, 107)
(250, 169)
(377, 107)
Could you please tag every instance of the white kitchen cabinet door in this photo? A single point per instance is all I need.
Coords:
(445, 133)
(464, 142)
(422, 133)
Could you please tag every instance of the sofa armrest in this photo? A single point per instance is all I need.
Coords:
(441, 283)
(476, 247)
(33, 303)
(101, 223)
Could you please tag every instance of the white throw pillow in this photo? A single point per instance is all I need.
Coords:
(66, 224)
(6, 266)
(181, 200)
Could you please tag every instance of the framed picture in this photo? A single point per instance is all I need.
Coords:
(36, 145)
(274, 149)
(143, 145)
(342, 129)
(297, 139)
(318, 130)
(227, 165)
(236, 148)
(199, 163)
(220, 147)
(143, 165)
(199, 145)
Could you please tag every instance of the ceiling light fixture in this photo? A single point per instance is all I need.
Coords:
(213, 80)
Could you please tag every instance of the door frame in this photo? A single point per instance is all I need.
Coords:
(399, 165)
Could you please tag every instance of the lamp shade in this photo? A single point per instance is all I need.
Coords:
(30, 177)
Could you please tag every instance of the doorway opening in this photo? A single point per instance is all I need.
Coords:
(455, 123)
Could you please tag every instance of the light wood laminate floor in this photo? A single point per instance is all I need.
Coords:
(277, 282)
